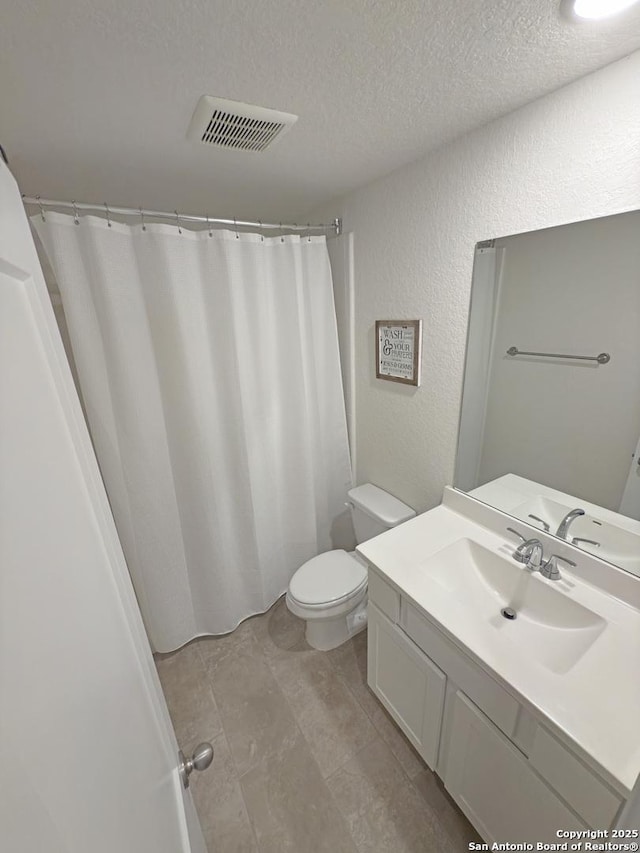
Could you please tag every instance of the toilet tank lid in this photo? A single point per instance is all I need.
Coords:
(380, 504)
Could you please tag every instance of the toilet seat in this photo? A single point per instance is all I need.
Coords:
(327, 580)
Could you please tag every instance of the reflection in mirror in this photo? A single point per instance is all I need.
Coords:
(552, 429)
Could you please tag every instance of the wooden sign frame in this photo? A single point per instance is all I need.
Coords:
(399, 351)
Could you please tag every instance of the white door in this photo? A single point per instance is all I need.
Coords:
(88, 759)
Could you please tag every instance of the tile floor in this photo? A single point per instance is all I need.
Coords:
(306, 759)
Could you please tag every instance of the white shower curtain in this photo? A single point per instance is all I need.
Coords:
(210, 375)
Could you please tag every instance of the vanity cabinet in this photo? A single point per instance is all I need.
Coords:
(409, 685)
(493, 784)
(508, 772)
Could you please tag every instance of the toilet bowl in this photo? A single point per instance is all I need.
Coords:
(330, 591)
(324, 592)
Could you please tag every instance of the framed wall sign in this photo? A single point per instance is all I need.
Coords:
(398, 350)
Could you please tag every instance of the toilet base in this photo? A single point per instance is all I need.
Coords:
(327, 634)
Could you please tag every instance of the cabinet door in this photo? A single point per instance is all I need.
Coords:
(494, 785)
(409, 685)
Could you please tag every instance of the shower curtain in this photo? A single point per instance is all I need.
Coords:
(209, 369)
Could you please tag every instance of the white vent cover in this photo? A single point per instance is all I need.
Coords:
(231, 124)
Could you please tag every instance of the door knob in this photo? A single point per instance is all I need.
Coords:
(200, 760)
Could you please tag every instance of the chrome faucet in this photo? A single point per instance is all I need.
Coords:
(549, 569)
(563, 528)
(530, 552)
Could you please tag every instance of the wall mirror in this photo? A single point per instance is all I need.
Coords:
(550, 415)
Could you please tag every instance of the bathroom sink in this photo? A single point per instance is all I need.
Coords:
(469, 586)
(617, 545)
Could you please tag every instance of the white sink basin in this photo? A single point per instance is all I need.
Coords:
(471, 584)
(617, 545)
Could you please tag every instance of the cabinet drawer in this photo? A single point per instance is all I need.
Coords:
(384, 596)
(591, 798)
(494, 785)
(501, 708)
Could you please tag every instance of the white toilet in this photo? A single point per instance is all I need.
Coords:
(330, 591)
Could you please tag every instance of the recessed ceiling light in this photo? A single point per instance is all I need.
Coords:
(595, 10)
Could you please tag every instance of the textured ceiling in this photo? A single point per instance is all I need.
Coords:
(96, 95)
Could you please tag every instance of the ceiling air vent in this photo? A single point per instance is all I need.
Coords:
(230, 124)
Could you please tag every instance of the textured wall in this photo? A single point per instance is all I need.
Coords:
(572, 155)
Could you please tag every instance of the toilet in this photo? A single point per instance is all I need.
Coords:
(330, 591)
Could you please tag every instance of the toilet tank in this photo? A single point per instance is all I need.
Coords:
(373, 511)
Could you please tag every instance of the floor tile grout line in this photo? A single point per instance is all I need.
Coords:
(340, 666)
(449, 832)
(376, 734)
(222, 733)
(404, 770)
(302, 735)
(295, 716)
(345, 682)
(375, 726)
(290, 706)
(238, 778)
(405, 780)
(198, 644)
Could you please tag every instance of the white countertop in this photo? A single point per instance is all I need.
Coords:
(508, 492)
(596, 703)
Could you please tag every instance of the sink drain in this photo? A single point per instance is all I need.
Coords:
(508, 613)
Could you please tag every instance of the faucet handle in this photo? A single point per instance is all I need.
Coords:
(579, 539)
(519, 535)
(529, 551)
(544, 524)
(550, 569)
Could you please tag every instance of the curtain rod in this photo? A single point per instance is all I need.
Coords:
(178, 218)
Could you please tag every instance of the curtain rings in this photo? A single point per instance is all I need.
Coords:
(308, 233)
(261, 231)
(209, 227)
(144, 227)
(41, 208)
(282, 235)
(235, 225)
(75, 213)
(178, 221)
(106, 207)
